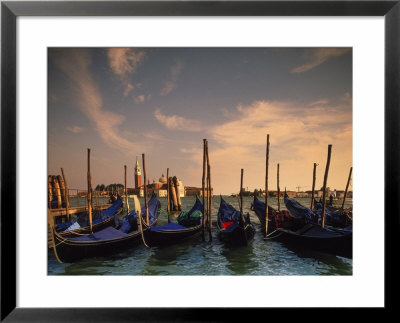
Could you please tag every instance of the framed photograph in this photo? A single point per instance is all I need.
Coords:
(261, 81)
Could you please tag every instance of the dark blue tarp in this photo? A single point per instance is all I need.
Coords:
(299, 211)
(129, 221)
(332, 217)
(259, 209)
(97, 216)
(227, 213)
(198, 206)
(105, 234)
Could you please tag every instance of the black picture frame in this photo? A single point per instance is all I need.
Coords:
(10, 10)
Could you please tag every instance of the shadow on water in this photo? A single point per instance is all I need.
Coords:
(329, 264)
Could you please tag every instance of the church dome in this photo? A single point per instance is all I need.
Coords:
(163, 179)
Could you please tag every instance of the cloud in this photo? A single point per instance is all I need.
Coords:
(299, 136)
(175, 122)
(75, 129)
(124, 62)
(318, 56)
(75, 64)
(141, 98)
(170, 85)
(319, 102)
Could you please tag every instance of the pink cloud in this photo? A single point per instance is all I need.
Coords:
(124, 62)
(318, 56)
(75, 64)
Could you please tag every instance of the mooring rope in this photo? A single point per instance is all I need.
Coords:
(141, 228)
(267, 237)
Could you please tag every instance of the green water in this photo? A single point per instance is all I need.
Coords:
(195, 257)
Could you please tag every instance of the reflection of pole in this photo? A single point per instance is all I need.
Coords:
(347, 187)
(209, 193)
(266, 187)
(145, 190)
(313, 186)
(325, 181)
(203, 184)
(89, 192)
(66, 196)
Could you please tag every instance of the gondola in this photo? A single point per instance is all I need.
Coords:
(233, 227)
(337, 241)
(333, 217)
(188, 224)
(276, 219)
(101, 220)
(312, 236)
(107, 241)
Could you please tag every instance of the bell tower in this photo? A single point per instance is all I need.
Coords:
(138, 175)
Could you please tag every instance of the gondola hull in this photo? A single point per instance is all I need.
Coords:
(72, 251)
(240, 235)
(169, 237)
(314, 237)
(107, 241)
(174, 232)
(233, 227)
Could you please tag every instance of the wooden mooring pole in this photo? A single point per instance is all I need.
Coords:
(324, 187)
(57, 191)
(347, 187)
(178, 196)
(203, 182)
(89, 192)
(126, 189)
(50, 189)
(173, 194)
(209, 194)
(168, 197)
(266, 186)
(145, 190)
(313, 186)
(66, 197)
(278, 189)
(241, 196)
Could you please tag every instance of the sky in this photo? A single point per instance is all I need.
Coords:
(122, 102)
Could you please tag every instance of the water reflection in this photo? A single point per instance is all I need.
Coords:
(240, 258)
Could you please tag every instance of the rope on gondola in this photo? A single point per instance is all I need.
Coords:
(267, 237)
(140, 225)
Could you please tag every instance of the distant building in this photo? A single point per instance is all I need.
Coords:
(138, 175)
(160, 187)
(193, 191)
